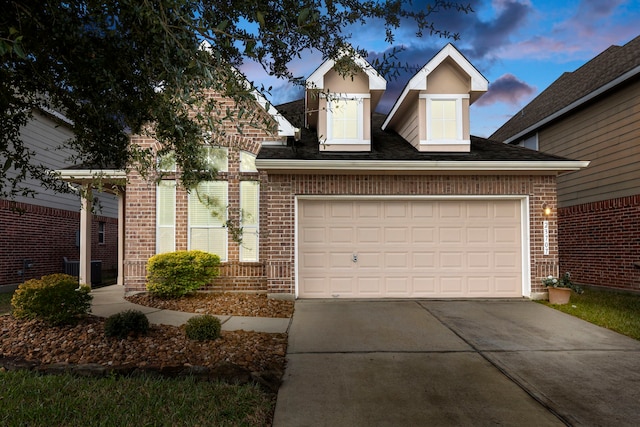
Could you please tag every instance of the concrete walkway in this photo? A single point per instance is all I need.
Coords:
(110, 300)
(454, 363)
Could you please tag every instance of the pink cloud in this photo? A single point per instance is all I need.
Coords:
(507, 89)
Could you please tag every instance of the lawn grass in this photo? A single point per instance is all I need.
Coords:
(31, 399)
(617, 311)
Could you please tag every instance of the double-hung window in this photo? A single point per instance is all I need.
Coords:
(444, 119)
(249, 211)
(208, 216)
(345, 119)
(166, 216)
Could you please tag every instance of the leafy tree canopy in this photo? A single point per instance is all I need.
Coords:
(131, 66)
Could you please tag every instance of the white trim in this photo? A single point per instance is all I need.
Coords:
(88, 174)
(158, 226)
(359, 139)
(256, 227)
(613, 83)
(459, 118)
(419, 81)
(316, 79)
(426, 165)
(524, 224)
(525, 229)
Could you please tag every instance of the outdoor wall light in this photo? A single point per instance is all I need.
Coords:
(546, 209)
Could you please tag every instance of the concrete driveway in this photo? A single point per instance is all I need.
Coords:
(422, 363)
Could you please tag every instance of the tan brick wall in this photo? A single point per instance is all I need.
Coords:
(282, 189)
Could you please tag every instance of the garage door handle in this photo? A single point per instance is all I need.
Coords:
(354, 257)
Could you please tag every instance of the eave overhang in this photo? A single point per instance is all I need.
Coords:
(433, 166)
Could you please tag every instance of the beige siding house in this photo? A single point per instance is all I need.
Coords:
(593, 113)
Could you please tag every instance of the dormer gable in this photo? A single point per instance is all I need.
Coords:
(339, 106)
(432, 113)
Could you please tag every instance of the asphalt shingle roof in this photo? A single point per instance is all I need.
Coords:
(572, 86)
(388, 145)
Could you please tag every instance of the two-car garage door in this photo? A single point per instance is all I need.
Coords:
(397, 248)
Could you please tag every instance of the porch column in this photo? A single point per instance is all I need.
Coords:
(85, 237)
(121, 196)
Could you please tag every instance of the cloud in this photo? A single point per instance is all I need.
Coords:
(507, 89)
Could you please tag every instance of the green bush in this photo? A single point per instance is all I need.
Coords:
(175, 274)
(57, 299)
(120, 325)
(203, 328)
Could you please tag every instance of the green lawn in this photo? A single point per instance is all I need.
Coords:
(617, 311)
(65, 400)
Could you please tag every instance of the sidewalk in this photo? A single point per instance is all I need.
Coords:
(110, 300)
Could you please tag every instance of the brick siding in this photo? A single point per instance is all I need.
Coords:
(600, 242)
(282, 189)
(140, 212)
(44, 236)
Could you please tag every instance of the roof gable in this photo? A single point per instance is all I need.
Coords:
(376, 81)
(419, 82)
(614, 66)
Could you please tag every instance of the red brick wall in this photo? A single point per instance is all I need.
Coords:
(140, 214)
(44, 236)
(282, 189)
(600, 242)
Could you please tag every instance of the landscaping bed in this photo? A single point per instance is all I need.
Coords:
(237, 356)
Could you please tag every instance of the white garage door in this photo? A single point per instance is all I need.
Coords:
(409, 248)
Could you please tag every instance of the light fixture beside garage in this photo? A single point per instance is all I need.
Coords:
(546, 209)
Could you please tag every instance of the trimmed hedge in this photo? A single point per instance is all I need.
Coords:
(175, 274)
(125, 323)
(203, 328)
(57, 299)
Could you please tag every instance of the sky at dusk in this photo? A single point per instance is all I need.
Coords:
(520, 46)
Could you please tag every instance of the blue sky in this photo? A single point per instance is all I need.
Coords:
(520, 46)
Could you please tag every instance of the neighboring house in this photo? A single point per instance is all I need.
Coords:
(593, 113)
(362, 205)
(37, 233)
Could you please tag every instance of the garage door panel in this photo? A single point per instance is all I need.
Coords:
(450, 210)
(341, 235)
(369, 235)
(506, 260)
(396, 235)
(314, 260)
(451, 260)
(409, 248)
(312, 235)
(422, 260)
(424, 286)
(397, 286)
(369, 286)
(478, 236)
(506, 235)
(425, 235)
(368, 210)
(341, 285)
(396, 260)
(479, 285)
(479, 260)
(504, 285)
(339, 260)
(452, 285)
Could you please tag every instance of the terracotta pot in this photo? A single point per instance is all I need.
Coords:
(559, 295)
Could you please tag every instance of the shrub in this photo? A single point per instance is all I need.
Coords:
(203, 328)
(57, 299)
(175, 274)
(120, 325)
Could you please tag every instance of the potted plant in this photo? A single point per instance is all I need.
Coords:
(560, 288)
